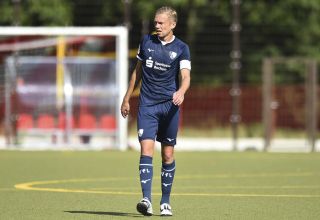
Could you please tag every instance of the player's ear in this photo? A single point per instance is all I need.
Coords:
(173, 25)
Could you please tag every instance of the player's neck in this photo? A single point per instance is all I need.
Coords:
(167, 39)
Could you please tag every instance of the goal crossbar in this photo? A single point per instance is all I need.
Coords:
(115, 31)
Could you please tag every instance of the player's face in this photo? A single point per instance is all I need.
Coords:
(163, 26)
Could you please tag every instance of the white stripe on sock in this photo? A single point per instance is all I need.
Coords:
(144, 164)
(169, 170)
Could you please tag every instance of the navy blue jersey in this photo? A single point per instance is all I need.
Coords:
(161, 64)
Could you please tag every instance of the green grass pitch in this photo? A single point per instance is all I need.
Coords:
(208, 185)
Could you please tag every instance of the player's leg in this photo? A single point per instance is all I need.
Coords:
(167, 172)
(167, 136)
(147, 127)
(167, 175)
(146, 175)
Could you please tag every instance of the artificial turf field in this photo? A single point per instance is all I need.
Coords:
(208, 185)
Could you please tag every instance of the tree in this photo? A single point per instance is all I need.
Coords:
(276, 28)
(35, 12)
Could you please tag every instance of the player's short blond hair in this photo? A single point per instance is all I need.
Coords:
(169, 11)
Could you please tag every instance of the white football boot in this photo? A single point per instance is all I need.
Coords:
(145, 207)
(165, 210)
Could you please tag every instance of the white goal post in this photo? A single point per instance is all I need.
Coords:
(120, 34)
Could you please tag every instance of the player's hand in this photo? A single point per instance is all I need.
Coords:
(125, 109)
(178, 98)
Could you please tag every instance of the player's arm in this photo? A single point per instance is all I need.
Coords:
(178, 96)
(133, 84)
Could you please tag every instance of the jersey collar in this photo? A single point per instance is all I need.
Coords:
(164, 43)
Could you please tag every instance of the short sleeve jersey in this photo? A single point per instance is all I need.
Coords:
(161, 64)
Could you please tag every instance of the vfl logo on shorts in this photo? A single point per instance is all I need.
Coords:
(140, 132)
(170, 139)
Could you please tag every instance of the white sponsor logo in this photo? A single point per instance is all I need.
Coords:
(150, 50)
(149, 62)
(172, 54)
(156, 65)
(140, 132)
(161, 66)
(170, 139)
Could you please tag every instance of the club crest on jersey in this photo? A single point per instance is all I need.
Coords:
(172, 54)
(140, 132)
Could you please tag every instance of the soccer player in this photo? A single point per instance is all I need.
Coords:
(164, 67)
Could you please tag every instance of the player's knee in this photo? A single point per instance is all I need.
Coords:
(147, 151)
(167, 157)
(167, 160)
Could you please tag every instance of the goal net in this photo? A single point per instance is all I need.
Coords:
(63, 86)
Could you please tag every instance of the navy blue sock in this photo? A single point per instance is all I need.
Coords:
(146, 174)
(167, 175)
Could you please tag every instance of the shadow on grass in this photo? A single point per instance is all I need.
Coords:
(123, 214)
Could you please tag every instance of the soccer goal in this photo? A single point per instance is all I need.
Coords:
(290, 109)
(63, 86)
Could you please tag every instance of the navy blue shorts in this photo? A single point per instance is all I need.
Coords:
(159, 122)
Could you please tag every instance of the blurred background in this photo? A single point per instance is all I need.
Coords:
(254, 66)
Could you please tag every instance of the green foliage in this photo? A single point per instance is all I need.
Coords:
(281, 28)
(36, 13)
(112, 13)
(6, 11)
(297, 21)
